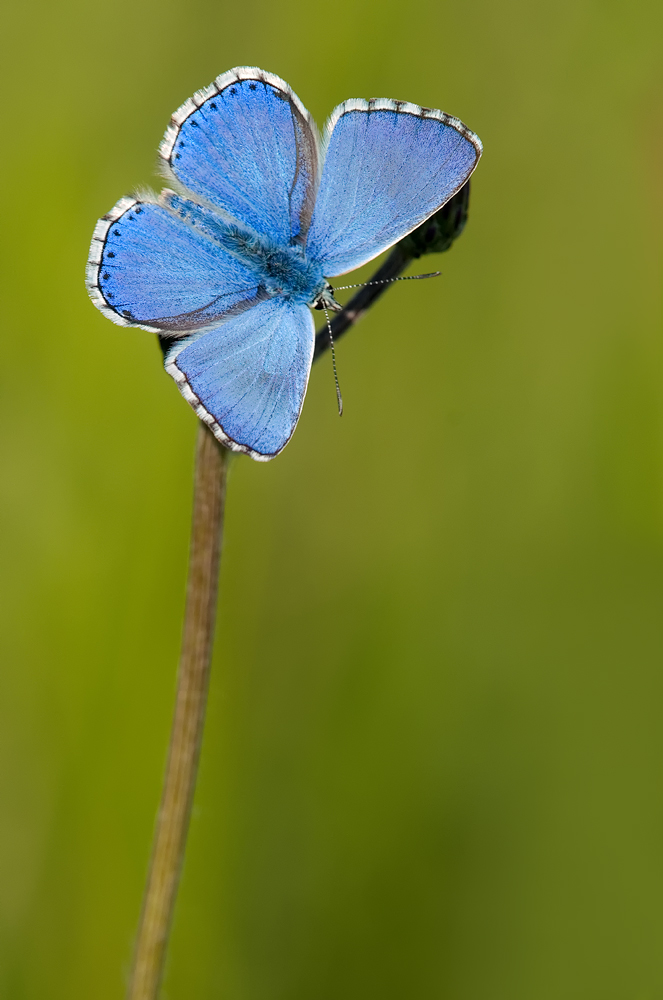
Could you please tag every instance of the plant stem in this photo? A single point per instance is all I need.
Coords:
(186, 737)
(434, 236)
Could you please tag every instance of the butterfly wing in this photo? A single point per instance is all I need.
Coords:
(148, 268)
(241, 358)
(247, 145)
(247, 378)
(388, 166)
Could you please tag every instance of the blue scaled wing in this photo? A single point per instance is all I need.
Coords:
(388, 166)
(247, 377)
(247, 145)
(148, 268)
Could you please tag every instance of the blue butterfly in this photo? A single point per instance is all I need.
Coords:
(225, 267)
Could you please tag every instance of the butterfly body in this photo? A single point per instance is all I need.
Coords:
(279, 270)
(225, 269)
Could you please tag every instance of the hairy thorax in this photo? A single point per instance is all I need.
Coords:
(279, 270)
(284, 272)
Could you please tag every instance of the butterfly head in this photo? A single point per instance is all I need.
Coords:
(325, 299)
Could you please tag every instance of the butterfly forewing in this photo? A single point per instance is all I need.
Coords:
(247, 378)
(388, 166)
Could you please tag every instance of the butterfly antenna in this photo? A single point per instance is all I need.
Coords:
(387, 281)
(339, 398)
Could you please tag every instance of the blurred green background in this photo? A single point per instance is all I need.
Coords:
(432, 766)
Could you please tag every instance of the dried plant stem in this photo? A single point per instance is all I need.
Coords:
(193, 679)
(434, 236)
(192, 685)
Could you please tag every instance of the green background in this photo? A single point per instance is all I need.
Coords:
(432, 766)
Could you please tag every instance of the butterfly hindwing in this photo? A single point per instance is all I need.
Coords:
(148, 268)
(388, 166)
(247, 145)
(247, 377)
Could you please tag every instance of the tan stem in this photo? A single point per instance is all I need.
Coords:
(186, 737)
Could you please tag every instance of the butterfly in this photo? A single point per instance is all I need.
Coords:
(225, 265)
